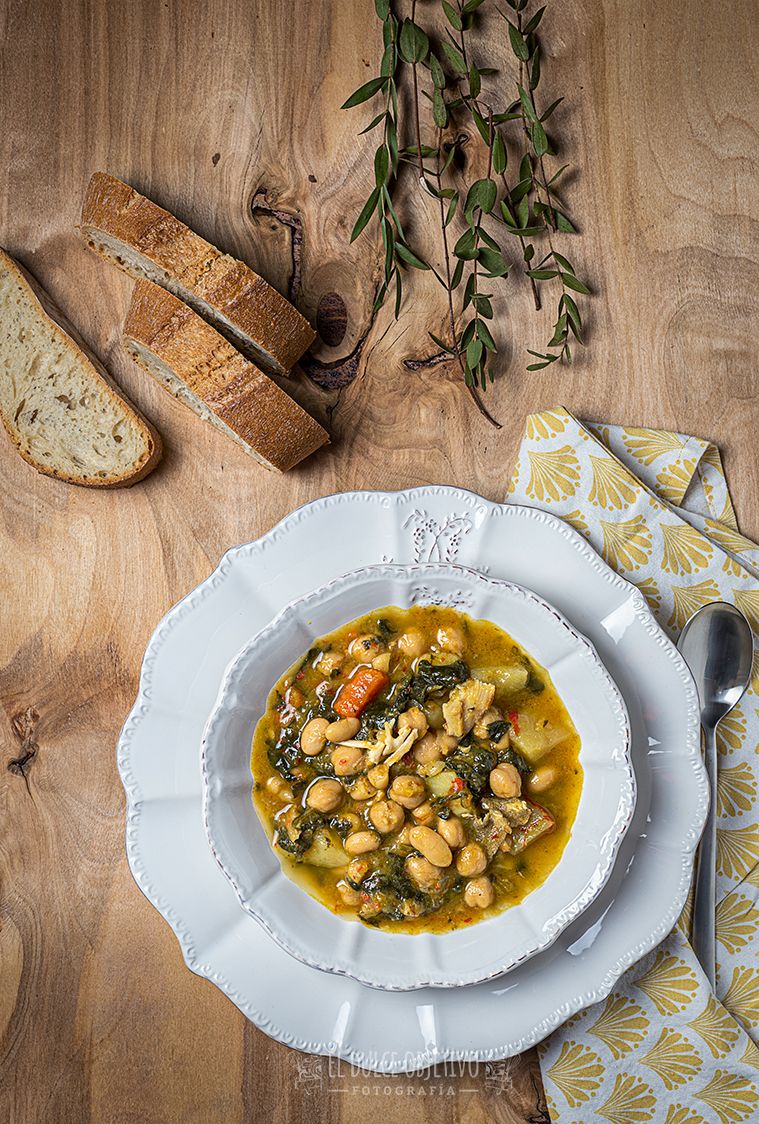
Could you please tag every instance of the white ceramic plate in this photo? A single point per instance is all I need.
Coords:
(396, 961)
(159, 760)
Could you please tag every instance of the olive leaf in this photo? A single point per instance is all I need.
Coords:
(414, 45)
(481, 196)
(518, 43)
(453, 16)
(454, 56)
(363, 93)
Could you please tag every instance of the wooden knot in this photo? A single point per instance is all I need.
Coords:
(332, 319)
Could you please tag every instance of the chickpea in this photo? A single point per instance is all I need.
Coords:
(422, 872)
(329, 662)
(386, 816)
(280, 788)
(471, 860)
(434, 712)
(427, 750)
(379, 776)
(362, 789)
(354, 822)
(424, 814)
(431, 845)
(294, 697)
(348, 894)
(408, 791)
(452, 830)
(412, 719)
(347, 761)
(360, 842)
(479, 893)
(358, 870)
(543, 778)
(325, 796)
(365, 648)
(382, 662)
(505, 781)
(447, 742)
(313, 736)
(341, 730)
(411, 643)
(451, 638)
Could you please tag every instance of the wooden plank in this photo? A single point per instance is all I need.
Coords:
(211, 108)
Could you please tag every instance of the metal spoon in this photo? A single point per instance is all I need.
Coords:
(717, 646)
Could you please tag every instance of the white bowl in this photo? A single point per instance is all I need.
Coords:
(400, 961)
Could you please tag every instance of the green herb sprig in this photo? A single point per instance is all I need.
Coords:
(443, 73)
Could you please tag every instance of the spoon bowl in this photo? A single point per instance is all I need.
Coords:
(718, 647)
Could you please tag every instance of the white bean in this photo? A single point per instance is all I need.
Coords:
(431, 845)
(313, 736)
(361, 842)
(341, 730)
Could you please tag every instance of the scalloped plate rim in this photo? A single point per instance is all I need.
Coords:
(566, 1009)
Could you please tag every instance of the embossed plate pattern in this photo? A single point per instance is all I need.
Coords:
(159, 760)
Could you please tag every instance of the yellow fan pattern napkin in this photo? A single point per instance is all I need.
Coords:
(662, 1047)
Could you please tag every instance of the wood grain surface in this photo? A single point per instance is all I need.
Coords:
(227, 112)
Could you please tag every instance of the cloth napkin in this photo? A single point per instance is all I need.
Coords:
(663, 1047)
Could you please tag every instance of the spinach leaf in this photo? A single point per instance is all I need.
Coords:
(299, 837)
(390, 887)
(473, 765)
(322, 764)
(511, 757)
(282, 756)
(438, 677)
(496, 731)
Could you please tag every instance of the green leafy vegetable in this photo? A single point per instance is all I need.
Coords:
(298, 836)
(473, 764)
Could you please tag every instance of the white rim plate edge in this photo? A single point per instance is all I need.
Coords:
(144, 707)
(545, 921)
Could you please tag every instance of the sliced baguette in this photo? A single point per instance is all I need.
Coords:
(146, 241)
(58, 404)
(206, 372)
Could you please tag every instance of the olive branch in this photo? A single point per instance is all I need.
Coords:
(525, 207)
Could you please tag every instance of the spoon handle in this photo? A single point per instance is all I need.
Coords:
(704, 898)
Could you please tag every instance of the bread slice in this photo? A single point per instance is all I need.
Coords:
(58, 404)
(147, 241)
(206, 372)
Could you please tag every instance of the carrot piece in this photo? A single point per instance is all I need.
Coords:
(363, 686)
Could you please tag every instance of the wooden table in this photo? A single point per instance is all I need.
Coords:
(227, 112)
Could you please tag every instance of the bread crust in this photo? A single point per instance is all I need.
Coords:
(44, 307)
(246, 400)
(253, 307)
